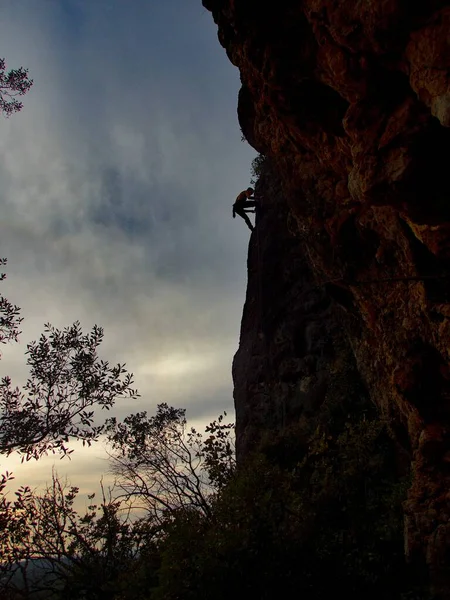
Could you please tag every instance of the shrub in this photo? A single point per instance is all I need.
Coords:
(256, 168)
(322, 516)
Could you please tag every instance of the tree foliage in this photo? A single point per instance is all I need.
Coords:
(257, 168)
(114, 550)
(49, 549)
(309, 501)
(329, 506)
(13, 84)
(67, 382)
(167, 466)
(10, 318)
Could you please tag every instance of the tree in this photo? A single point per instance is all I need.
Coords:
(49, 550)
(9, 315)
(114, 550)
(45, 546)
(168, 467)
(67, 382)
(13, 83)
(257, 168)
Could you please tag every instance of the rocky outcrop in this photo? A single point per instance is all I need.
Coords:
(351, 103)
(291, 341)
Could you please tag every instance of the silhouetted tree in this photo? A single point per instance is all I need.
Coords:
(49, 550)
(10, 318)
(67, 382)
(167, 466)
(13, 83)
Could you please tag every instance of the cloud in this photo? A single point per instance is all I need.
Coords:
(116, 185)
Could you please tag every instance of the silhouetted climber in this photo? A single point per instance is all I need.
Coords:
(243, 205)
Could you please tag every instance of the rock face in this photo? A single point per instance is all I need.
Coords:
(350, 102)
(290, 334)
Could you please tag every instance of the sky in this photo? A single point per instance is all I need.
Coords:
(116, 186)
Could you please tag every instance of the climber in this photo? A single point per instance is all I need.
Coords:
(243, 205)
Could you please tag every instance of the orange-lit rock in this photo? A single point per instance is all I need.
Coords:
(428, 54)
(351, 101)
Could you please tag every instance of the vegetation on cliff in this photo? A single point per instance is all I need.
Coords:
(315, 507)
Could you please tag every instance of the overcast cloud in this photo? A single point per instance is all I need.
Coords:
(116, 185)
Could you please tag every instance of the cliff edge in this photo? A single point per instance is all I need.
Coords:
(350, 104)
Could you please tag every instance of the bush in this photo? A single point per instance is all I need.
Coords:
(257, 168)
(310, 512)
